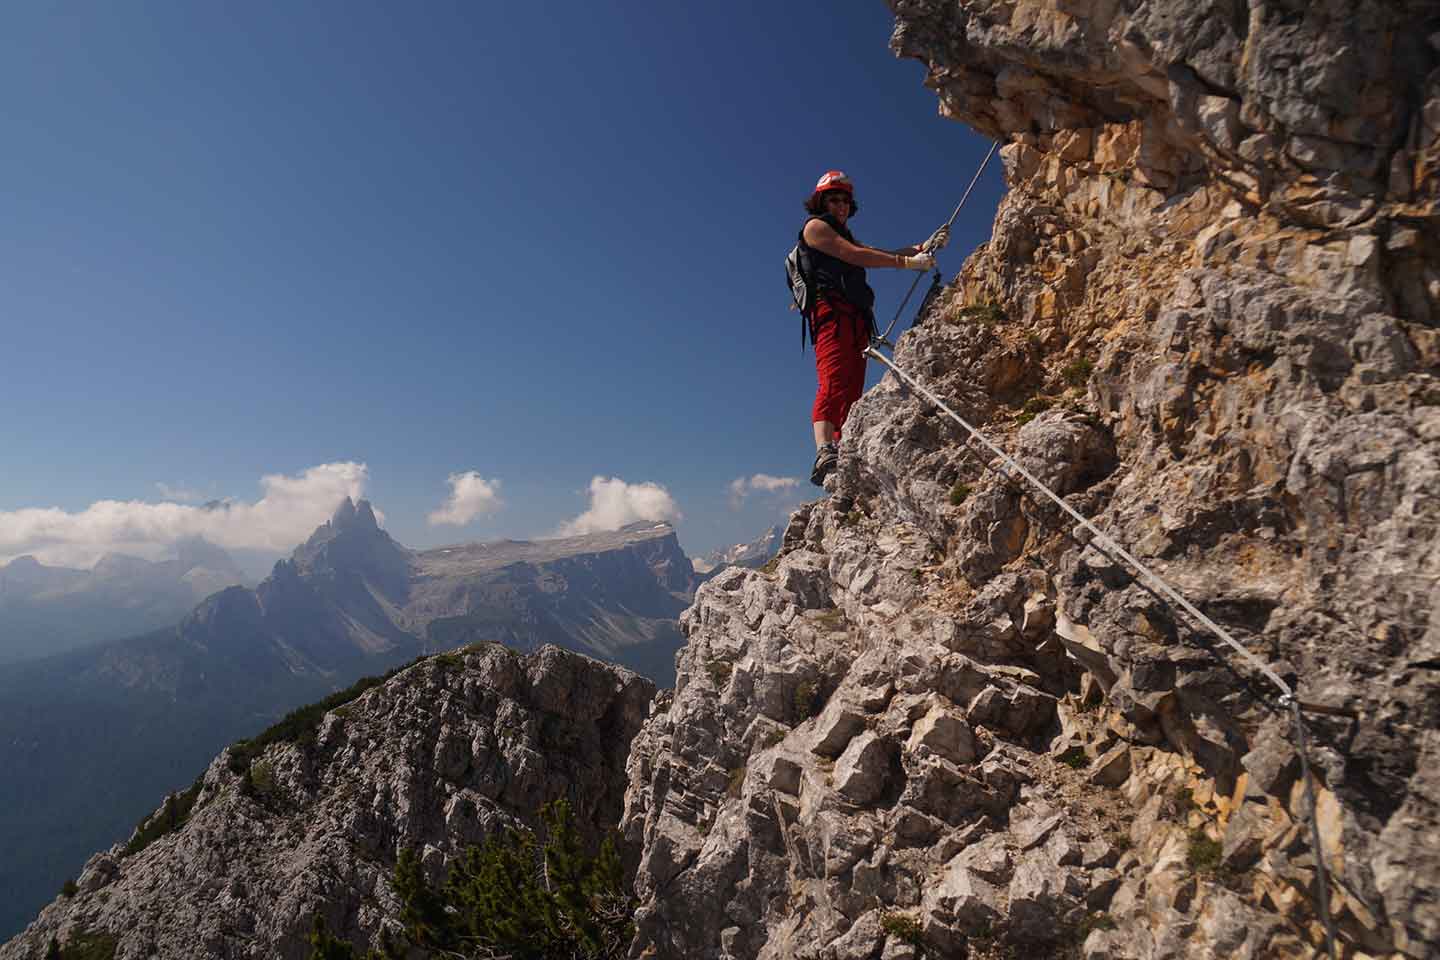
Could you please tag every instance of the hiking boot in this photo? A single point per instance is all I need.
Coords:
(825, 459)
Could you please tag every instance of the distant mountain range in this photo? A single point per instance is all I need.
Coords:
(47, 610)
(89, 738)
(754, 554)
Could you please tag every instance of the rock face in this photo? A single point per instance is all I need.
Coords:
(441, 756)
(1208, 320)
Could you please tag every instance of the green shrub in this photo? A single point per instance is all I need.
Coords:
(325, 947)
(1074, 758)
(985, 314)
(1038, 404)
(959, 493)
(171, 817)
(85, 945)
(515, 896)
(719, 671)
(69, 888)
(736, 786)
(262, 781)
(1096, 920)
(806, 700)
(1203, 854)
(772, 737)
(1077, 371)
(902, 927)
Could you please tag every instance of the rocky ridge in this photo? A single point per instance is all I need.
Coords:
(442, 755)
(946, 723)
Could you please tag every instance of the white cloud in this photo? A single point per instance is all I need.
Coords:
(470, 496)
(289, 509)
(742, 487)
(614, 503)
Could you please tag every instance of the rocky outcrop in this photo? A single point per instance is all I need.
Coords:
(444, 754)
(946, 722)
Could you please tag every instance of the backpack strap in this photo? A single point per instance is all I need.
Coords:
(807, 311)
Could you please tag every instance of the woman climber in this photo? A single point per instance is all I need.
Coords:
(843, 320)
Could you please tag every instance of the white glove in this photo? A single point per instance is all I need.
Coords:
(937, 240)
(921, 262)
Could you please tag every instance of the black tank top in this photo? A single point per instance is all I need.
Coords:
(834, 276)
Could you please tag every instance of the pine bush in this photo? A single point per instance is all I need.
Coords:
(512, 896)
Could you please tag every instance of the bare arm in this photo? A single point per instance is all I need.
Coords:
(819, 235)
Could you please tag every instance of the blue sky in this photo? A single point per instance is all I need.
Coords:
(539, 242)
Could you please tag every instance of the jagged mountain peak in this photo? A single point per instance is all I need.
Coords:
(351, 514)
(351, 544)
(352, 522)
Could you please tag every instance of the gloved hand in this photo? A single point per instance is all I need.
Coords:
(937, 240)
(921, 262)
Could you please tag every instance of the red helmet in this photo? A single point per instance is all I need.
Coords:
(834, 180)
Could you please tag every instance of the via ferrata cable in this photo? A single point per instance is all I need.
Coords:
(973, 180)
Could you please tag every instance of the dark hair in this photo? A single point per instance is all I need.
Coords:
(815, 204)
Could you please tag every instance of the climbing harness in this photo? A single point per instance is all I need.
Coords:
(1153, 580)
(916, 282)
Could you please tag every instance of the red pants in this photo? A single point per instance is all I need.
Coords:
(840, 337)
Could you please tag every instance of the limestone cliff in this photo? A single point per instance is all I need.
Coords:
(944, 722)
(445, 753)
